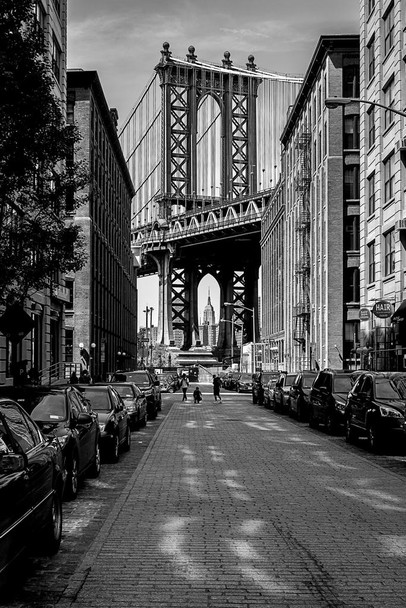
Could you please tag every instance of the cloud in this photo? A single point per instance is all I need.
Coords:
(243, 32)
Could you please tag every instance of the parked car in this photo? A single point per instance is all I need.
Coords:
(259, 381)
(148, 384)
(31, 487)
(135, 403)
(282, 392)
(300, 395)
(269, 391)
(244, 383)
(114, 423)
(63, 413)
(376, 407)
(230, 381)
(327, 399)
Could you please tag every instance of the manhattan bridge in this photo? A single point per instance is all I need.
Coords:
(202, 145)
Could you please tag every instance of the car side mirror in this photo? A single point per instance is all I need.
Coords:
(84, 418)
(12, 463)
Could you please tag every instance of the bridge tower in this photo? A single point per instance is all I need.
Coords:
(185, 84)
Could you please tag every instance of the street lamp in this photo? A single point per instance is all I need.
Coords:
(232, 335)
(86, 355)
(335, 102)
(251, 310)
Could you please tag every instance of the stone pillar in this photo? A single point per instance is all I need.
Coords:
(163, 260)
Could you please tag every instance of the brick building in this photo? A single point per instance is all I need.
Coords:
(101, 315)
(319, 213)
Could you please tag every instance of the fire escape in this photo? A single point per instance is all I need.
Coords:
(301, 310)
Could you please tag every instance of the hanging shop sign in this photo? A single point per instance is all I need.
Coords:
(364, 314)
(382, 309)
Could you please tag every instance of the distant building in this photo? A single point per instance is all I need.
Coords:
(208, 329)
(103, 298)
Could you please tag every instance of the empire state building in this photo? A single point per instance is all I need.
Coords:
(208, 328)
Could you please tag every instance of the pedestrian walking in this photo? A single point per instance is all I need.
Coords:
(197, 395)
(184, 383)
(216, 387)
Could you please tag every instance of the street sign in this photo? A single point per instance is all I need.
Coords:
(364, 314)
(382, 309)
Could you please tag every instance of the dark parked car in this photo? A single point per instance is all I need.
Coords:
(259, 381)
(376, 408)
(31, 487)
(269, 391)
(230, 381)
(328, 397)
(148, 384)
(114, 423)
(300, 395)
(135, 402)
(244, 383)
(282, 392)
(64, 414)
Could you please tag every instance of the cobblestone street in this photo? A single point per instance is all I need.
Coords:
(231, 505)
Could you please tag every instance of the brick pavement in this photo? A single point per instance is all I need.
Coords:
(232, 505)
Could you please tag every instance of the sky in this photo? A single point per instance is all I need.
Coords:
(122, 40)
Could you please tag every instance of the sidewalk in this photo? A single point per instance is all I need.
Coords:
(240, 508)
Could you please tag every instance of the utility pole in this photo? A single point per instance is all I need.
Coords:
(150, 333)
(146, 332)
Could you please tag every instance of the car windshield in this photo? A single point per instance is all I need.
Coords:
(387, 389)
(99, 399)
(290, 378)
(126, 392)
(342, 384)
(245, 378)
(308, 380)
(138, 377)
(51, 408)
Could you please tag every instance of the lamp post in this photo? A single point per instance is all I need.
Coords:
(252, 311)
(232, 335)
(335, 102)
(87, 355)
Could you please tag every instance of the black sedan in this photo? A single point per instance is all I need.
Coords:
(376, 407)
(114, 423)
(31, 486)
(135, 402)
(64, 413)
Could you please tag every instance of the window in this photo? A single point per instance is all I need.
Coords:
(389, 177)
(371, 127)
(389, 245)
(371, 194)
(351, 285)
(351, 233)
(371, 58)
(351, 132)
(388, 29)
(389, 101)
(351, 182)
(69, 345)
(371, 262)
(351, 81)
(39, 15)
(56, 59)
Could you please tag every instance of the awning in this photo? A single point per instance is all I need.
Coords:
(400, 313)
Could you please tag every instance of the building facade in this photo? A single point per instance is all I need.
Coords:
(101, 314)
(43, 347)
(383, 157)
(316, 216)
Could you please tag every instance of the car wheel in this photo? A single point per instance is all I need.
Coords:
(72, 479)
(115, 449)
(299, 413)
(52, 534)
(96, 465)
(127, 442)
(159, 405)
(374, 441)
(143, 421)
(254, 399)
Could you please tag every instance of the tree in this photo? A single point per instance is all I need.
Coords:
(39, 179)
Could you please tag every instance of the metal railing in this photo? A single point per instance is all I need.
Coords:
(58, 372)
